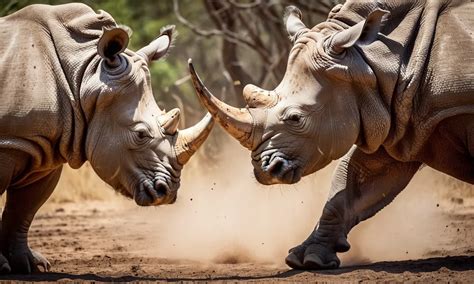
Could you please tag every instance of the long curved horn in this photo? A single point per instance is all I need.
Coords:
(238, 122)
(190, 139)
(259, 98)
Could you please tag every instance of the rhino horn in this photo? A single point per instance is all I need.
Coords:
(170, 120)
(190, 139)
(258, 98)
(238, 122)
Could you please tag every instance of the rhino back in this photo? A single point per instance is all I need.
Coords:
(449, 77)
(45, 53)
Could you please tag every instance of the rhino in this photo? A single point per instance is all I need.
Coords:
(387, 86)
(72, 92)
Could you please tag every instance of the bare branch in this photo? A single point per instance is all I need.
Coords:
(245, 5)
(198, 31)
(322, 9)
(228, 35)
(271, 69)
(255, 25)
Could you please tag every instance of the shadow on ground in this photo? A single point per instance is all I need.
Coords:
(454, 263)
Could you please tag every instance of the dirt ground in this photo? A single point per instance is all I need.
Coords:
(99, 241)
(227, 229)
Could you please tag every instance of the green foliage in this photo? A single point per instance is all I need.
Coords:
(164, 74)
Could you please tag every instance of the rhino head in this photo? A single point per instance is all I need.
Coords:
(131, 144)
(312, 117)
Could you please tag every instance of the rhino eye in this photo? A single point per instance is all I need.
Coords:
(142, 134)
(294, 117)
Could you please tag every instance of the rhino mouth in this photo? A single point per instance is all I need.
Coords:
(155, 192)
(276, 168)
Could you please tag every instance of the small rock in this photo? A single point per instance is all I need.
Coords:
(457, 200)
(135, 268)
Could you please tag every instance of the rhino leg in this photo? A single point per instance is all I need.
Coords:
(4, 265)
(6, 173)
(20, 209)
(362, 185)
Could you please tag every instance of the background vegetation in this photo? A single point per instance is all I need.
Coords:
(232, 42)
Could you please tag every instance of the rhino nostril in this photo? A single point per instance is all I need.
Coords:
(161, 188)
(276, 167)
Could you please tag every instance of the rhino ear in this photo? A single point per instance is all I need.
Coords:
(159, 47)
(364, 32)
(334, 11)
(112, 42)
(294, 25)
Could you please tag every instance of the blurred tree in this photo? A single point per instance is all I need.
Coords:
(255, 45)
(232, 42)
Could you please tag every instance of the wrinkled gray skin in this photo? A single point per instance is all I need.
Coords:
(70, 92)
(388, 85)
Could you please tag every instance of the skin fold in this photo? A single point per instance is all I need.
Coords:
(72, 92)
(385, 85)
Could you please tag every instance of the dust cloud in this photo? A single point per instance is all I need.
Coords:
(224, 216)
(410, 227)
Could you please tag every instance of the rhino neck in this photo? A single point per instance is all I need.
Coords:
(75, 32)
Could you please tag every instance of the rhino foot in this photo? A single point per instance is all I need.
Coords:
(4, 265)
(315, 255)
(28, 261)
